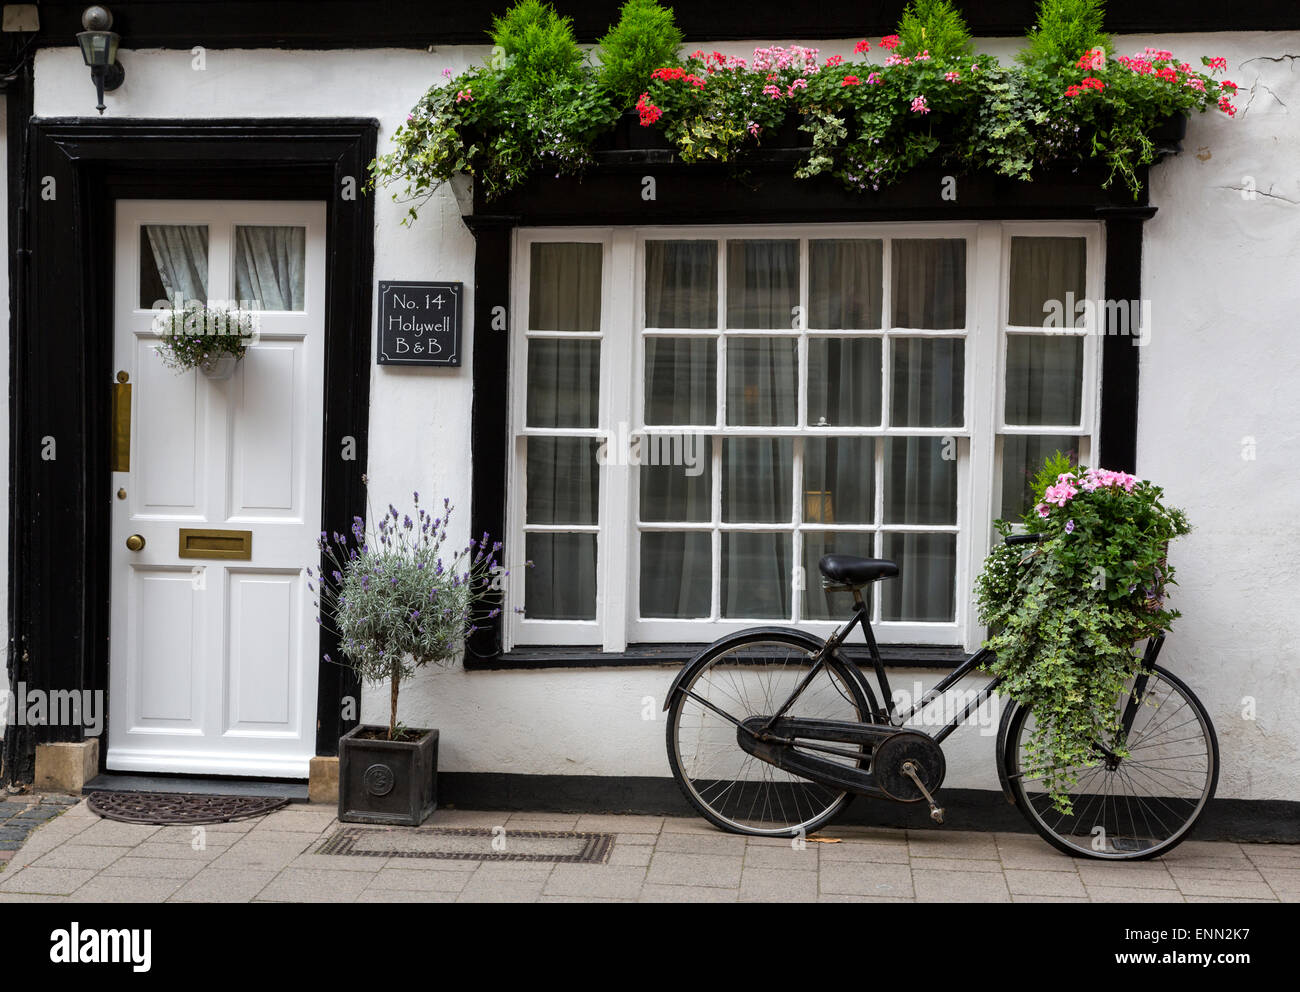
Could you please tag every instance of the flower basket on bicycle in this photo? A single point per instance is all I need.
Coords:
(772, 731)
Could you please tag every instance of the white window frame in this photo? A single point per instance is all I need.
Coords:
(621, 339)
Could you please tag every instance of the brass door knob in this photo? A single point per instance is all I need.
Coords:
(135, 543)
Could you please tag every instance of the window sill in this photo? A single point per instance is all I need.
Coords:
(927, 656)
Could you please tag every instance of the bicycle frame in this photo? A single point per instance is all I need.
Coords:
(888, 713)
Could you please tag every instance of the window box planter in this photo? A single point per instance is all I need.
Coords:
(1168, 136)
(629, 135)
(389, 782)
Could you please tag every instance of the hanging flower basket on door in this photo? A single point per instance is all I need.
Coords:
(211, 339)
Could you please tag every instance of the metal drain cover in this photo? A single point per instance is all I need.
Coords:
(163, 808)
(471, 844)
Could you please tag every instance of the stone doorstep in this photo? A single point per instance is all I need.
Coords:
(66, 767)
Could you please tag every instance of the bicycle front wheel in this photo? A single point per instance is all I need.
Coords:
(730, 787)
(1131, 808)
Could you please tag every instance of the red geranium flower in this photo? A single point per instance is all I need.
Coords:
(862, 46)
(850, 81)
(890, 41)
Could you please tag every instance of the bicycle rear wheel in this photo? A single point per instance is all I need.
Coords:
(730, 787)
(1133, 808)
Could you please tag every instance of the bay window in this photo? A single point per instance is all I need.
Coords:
(699, 414)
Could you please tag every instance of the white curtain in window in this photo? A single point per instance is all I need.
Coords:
(564, 286)
(270, 265)
(1046, 270)
(180, 256)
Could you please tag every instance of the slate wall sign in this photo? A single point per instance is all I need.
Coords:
(419, 323)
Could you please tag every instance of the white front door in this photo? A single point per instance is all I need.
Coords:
(213, 666)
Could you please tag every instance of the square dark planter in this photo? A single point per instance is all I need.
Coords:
(390, 782)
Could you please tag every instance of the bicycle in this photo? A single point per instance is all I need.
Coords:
(772, 732)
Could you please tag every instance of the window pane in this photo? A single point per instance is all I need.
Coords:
(929, 283)
(1043, 270)
(839, 480)
(676, 488)
(756, 479)
(676, 574)
(270, 267)
(762, 284)
(928, 382)
(756, 575)
(563, 383)
(173, 263)
(564, 287)
(1044, 379)
(563, 480)
(1022, 456)
(681, 380)
(844, 382)
(561, 584)
(920, 480)
(681, 284)
(762, 382)
(923, 589)
(818, 604)
(844, 284)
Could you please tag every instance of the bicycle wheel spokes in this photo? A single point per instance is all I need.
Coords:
(1139, 805)
(735, 788)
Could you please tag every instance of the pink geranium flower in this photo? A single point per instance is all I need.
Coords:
(919, 106)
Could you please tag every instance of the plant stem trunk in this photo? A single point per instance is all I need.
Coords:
(392, 710)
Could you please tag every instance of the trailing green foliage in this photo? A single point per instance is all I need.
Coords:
(933, 26)
(1064, 30)
(196, 335)
(645, 38)
(1064, 614)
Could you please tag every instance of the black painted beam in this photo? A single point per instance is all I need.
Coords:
(420, 23)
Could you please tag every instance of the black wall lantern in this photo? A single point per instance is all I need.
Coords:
(99, 49)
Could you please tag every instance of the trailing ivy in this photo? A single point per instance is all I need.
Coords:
(1065, 615)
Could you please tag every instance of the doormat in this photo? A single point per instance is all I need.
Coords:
(472, 844)
(166, 808)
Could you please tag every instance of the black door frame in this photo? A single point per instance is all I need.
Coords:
(61, 347)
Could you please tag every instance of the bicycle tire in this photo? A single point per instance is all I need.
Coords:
(858, 703)
(1122, 848)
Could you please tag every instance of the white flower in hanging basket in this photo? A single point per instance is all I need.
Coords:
(210, 338)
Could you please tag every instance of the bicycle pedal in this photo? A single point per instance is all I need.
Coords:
(936, 814)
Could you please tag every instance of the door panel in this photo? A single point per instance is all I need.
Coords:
(214, 661)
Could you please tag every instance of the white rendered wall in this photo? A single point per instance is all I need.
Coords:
(4, 411)
(1222, 365)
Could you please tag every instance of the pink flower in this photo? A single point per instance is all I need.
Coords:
(873, 78)
(1215, 64)
(952, 77)
(1060, 494)
(919, 105)
(465, 95)
(446, 73)
(924, 56)
(773, 91)
(798, 84)
(1196, 84)
(894, 60)
(834, 60)
(1226, 106)
(753, 128)
(1043, 509)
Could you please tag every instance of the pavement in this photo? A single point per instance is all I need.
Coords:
(79, 857)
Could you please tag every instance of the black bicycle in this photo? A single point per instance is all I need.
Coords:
(772, 731)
